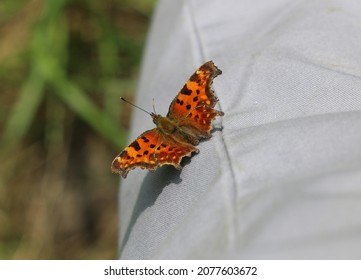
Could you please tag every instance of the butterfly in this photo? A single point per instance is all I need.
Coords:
(189, 119)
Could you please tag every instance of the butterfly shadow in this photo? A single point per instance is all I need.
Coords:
(152, 186)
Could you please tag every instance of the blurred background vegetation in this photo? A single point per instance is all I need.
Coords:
(63, 66)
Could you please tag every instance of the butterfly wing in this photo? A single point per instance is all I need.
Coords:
(193, 108)
(151, 150)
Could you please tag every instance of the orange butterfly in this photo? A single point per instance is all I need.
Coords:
(188, 120)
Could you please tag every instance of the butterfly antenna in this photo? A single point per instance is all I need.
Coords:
(154, 107)
(135, 105)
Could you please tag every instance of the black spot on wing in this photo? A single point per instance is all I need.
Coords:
(180, 102)
(135, 145)
(185, 90)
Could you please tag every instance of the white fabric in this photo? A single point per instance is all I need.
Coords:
(281, 176)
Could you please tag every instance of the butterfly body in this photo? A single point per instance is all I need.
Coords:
(188, 120)
(173, 129)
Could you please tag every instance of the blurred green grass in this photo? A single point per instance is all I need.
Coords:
(63, 66)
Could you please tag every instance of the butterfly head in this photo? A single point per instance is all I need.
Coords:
(155, 117)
